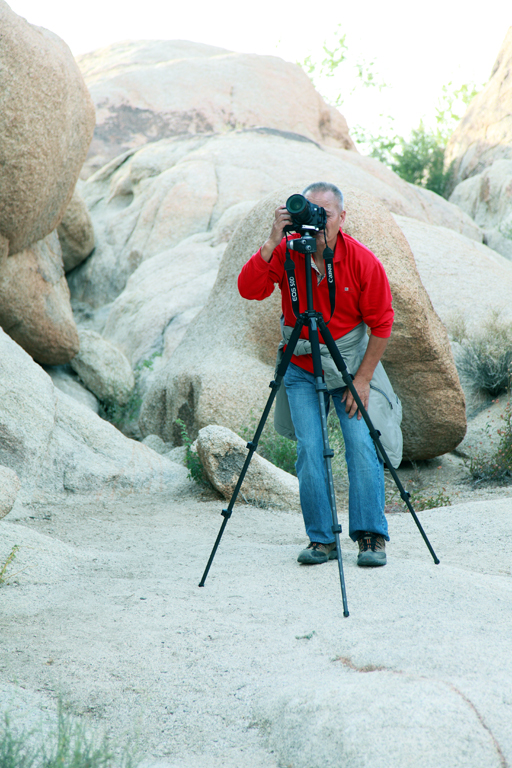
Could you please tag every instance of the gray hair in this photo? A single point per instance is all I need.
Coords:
(325, 186)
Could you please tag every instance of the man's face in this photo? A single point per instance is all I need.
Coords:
(335, 217)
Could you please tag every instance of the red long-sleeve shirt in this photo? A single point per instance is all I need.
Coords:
(362, 290)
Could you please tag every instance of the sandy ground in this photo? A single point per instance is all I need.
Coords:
(259, 667)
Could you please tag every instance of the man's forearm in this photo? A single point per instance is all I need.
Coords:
(372, 356)
(267, 250)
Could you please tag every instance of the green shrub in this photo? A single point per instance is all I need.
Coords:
(68, 745)
(420, 499)
(123, 416)
(15, 751)
(192, 460)
(457, 326)
(337, 443)
(271, 446)
(484, 359)
(4, 576)
(420, 160)
(283, 452)
(496, 466)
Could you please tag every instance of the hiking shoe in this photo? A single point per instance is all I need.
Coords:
(372, 550)
(318, 553)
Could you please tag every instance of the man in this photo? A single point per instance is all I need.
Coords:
(363, 298)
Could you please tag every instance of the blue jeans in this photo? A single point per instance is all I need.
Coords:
(365, 468)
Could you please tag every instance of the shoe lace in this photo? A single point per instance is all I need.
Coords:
(316, 545)
(371, 541)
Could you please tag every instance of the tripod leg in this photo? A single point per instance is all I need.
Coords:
(253, 445)
(375, 434)
(328, 454)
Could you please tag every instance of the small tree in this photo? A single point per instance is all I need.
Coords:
(335, 62)
(418, 159)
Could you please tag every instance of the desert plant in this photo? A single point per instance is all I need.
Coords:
(120, 415)
(192, 460)
(496, 466)
(419, 158)
(457, 327)
(337, 443)
(67, 745)
(336, 66)
(72, 747)
(15, 750)
(271, 446)
(283, 452)
(4, 576)
(484, 359)
(430, 498)
(123, 416)
(420, 500)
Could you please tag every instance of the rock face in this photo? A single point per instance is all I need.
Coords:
(418, 359)
(54, 444)
(46, 125)
(148, 320)
(65, 379)
(463, 278)
(157, 444)
(487, 198)
(103, 369)
(9, 489)
(149, 201)
(76, 233)
(316, 729)
(34, 303)
(223, 453)
(221, 370)
(485, 132)
(150, 90)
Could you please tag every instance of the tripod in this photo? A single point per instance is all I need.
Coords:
(315, 322)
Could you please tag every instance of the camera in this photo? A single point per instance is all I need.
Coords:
(305, 215)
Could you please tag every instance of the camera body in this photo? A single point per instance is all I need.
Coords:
(305, 215)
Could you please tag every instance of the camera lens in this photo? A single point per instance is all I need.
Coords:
(299, 208)
(305, 214)
(296, 204)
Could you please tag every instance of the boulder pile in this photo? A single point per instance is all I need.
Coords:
(484, 134)
(151, 90)
(46, 125)
(181, 179)
(54, 445)
(479, 154)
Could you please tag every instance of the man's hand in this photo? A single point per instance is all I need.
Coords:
(281, 219)
(363, 377)
(362, 388)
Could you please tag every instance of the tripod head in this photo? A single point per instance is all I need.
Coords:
(303, 244)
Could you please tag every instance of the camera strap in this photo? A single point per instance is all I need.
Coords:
(289, 266)
(329, 274)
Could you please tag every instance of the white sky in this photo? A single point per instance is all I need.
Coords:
(417, 48)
